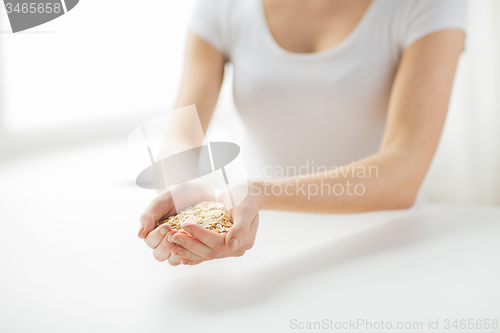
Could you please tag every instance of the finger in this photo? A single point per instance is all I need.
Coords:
(252, 233)
(160, 207)
(162, 251)
(243, 216)
(210, 238)
(171, 234)
(174, 260)
(190, 262)
(195, 246)
(182, 253)
(154, 238)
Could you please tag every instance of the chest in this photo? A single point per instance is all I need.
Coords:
(312, 26)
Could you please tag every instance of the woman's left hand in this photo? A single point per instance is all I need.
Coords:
(207, 245)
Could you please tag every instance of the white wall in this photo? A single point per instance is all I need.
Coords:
(103, 60)
(466, 168)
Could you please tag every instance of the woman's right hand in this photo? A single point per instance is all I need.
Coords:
(160, 239)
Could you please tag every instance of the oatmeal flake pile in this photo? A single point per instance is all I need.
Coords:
(210, 215)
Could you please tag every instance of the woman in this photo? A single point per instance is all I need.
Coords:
(349, 84)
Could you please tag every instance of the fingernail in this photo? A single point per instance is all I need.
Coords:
(163, 231)
(233, 244)
(141, 229)
(179, 241)
(169, 237)
(180, 254)
(186, 227)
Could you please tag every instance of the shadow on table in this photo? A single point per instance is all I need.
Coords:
(216, 293)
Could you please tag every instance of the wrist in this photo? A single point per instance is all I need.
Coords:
(257, 188)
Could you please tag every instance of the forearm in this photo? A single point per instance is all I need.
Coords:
(200, 86)
(383, 181)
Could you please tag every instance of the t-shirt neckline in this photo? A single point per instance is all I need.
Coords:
(313, 55)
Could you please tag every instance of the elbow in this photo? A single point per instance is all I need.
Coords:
(397, 200)
(404, 199)
(407, 204)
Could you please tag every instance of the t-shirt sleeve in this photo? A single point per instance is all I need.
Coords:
(206, 23)
(424, 17)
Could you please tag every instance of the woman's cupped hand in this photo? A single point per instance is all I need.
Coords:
(194, 244)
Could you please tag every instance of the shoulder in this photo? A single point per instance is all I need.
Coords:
(442, 8)
(418, 18)
(222, 22)
(209, 21)
(223, 7)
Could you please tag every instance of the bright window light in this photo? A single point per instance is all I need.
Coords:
(103, 60)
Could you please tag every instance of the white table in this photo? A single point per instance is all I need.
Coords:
(70, 260)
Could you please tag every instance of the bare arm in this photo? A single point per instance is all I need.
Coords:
(201, 83)
(416, 115)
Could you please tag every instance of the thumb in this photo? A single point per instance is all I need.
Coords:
(242, 218)
(159, 207)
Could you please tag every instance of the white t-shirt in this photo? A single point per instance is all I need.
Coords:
(318, 109)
